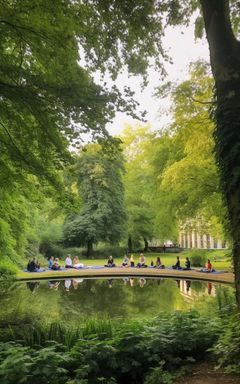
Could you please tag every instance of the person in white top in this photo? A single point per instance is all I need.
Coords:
(76, 263)
(68, 262)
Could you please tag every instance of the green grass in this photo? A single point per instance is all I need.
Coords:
(168, 259)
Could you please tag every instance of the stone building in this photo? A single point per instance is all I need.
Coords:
(194, 239)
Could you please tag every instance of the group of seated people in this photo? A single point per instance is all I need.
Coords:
(129, 262)
(33, 265)
(208, 266)
(54, 264)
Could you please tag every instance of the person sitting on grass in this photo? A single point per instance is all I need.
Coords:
(208, 266)
(56, 265)
(187, 264)
(68, 262)
(110, 262)
(76, 263)
(132, 261)
(125, 262)
(159, 264)
(33, 265)
(141, 263)
(50, 262)
(177, 265)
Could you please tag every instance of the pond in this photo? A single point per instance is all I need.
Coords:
(72, 301)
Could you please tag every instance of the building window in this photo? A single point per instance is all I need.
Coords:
(215, 243)
(186, 241)
(201, 241)
(224, 244)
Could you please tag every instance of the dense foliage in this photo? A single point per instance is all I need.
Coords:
(98, 176)
(132, 352)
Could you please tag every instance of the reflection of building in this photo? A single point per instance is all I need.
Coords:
(194, 239)
(187, 292)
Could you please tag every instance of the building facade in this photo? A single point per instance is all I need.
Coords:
(194, 239)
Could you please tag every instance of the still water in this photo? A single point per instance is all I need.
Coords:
(71, 301)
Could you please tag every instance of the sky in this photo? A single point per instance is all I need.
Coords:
(183, 49)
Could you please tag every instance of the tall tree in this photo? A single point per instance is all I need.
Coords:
(190, 180)
(102, 217)
(137, 185)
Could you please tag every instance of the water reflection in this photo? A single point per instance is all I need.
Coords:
(71, 300)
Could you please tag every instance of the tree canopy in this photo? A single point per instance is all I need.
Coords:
(98, 174)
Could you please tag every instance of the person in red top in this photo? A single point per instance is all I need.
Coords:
(208, 266)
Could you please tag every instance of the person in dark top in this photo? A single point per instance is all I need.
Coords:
(110, 262)
(177, 265)
(159, 264)
(33, 265)
(187, 264)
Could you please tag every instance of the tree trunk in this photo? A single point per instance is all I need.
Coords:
(130, 248)
(89, 248)
(145, 244)
(225, 63)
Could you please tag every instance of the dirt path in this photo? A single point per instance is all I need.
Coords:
(205, 374)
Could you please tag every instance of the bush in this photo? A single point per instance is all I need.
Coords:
(198, 257)
(7, 269)
(99, 351)
(49, 249)
(158, 376)
(227, 349)
(103, 251)
(20, 364)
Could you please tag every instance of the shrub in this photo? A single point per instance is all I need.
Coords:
(198, 257)
(7, 269)
(103, 251)
(158, 376)
(227, 349)
(20, 364)
(49, 249)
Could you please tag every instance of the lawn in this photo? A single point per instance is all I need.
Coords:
(218, 259)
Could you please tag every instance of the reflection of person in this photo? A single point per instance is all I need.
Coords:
(188, 285)
(125, 261)
(110, 283)
(32, 285)
(54, 285)
(132, 261)
(131, 282)
(67, 284)
(177, 265)
(110, 262)
(76, 282)
(142, 282)
(125, 280)
(68, 262)
(209, 286)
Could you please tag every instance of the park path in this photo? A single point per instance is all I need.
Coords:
(205, 374)
(93, 272)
